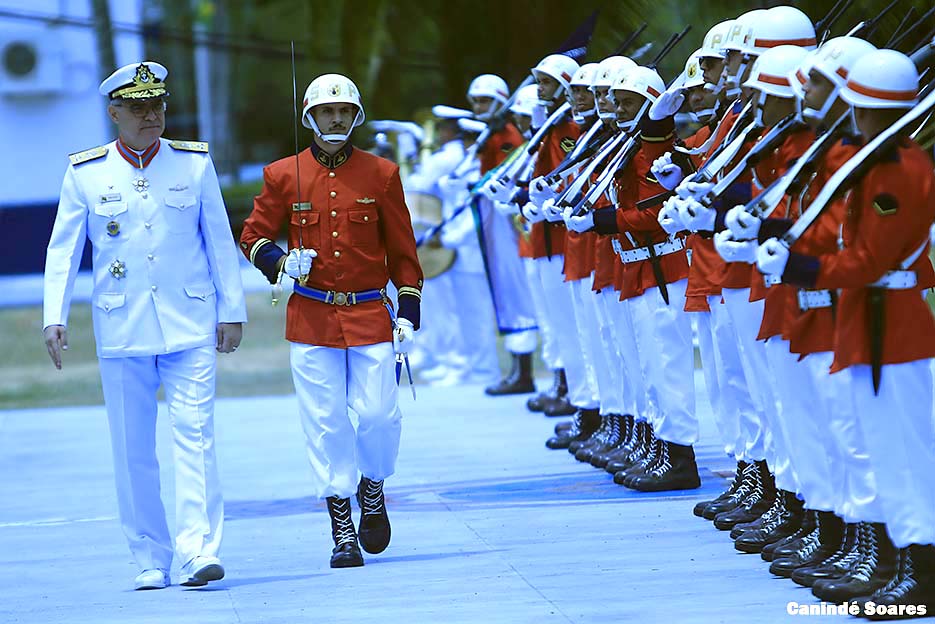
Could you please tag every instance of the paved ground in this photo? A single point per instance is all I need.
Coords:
(488, 526)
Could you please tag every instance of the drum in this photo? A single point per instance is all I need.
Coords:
(426, 212)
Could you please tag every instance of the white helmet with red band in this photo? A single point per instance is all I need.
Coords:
(771, 72)
(492, 86)
(882, 79)
(781, 25)
(560, 68)
(643, 81)
(607, 71)
(331, 89)
(525, 100)
(583, 78)
(834, 60)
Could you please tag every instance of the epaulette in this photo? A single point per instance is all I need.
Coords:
(87, 155)
(189, 146)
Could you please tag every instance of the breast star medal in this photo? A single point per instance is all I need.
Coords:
(118, 269)
(141, 184)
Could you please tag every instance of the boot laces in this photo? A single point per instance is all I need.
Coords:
(867, 543)
(343, 526)
(372, 498)
(902, 583)
(664, 464)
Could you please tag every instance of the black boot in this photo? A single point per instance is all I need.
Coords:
(346, 553)
(676, 470)
(615, 460)
(876, 566)
(586, 422)
(748, 482)
(649, 453)
(595, 438)
(559, 407)
(563, 426)
(609, 440)
(789, 545)
(755, 505)
(787, 521)
(813, 548)
(374, 521)
(912, 587)
(519, 381)
(625, 424)
(635, 450)
(558, 390)
(834, 565)
(768, 517)
(738, 477)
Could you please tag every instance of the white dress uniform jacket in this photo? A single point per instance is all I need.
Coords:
(165, 264)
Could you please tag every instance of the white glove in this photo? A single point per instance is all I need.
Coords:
(553, 214)
(669, 216)
(668, 174)
(532, 213)
(667, 104)
(733, 250)
(451, 186)
(497, 190)
(299, 262)
(506, 208)
(403, 336)
(741, 223)
(579, 224)
(539, 115)
(539, 191)
(696, 217)
(697, 190)
(772, 257)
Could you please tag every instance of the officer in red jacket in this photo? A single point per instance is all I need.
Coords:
(349, 234)
(884, 333)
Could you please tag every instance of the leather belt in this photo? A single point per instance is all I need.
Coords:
(814, 299)
(628, 256)
(338, 298)
(897, 280)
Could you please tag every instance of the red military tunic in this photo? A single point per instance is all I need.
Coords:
(634, 183)
(498, 146)
(812, 331)
(887, 221)
(780, 304)
(359, 225)
(701, 249)
(548, 239)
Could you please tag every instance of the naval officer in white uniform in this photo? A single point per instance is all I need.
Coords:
(167, 296)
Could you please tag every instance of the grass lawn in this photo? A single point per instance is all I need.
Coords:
(28, 378)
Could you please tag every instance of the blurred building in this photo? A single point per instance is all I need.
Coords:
(49, 108)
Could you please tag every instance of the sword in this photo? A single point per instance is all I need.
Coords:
(299, 205)
(402, 358)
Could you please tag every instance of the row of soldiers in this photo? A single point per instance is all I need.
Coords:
(789, 233)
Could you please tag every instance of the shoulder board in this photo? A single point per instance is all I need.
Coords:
(189, 146)
(87, 155)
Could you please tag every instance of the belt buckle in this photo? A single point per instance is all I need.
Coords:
(341, 299)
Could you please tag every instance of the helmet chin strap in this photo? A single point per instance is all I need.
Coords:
(583, 115)
(626, 126)
(822, 113)
(332, 138)
(550, 102)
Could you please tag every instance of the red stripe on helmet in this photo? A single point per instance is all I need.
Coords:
(772, 43)
(842, 72)
(800, 76)
(566, 77)
(652, 91)
(776, 80)
(883, 94)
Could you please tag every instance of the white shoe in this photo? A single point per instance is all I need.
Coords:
(152, 579)
(200, 570)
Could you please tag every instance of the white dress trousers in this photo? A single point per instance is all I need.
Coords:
(582, 389)
(130, 386)
(330, 384)
(602, 353)
(550, 352)
(900, 436)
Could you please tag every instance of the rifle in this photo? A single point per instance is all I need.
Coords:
(911, 29)
(623, 47)
(866, 28)
(899, 28)
(823, 27)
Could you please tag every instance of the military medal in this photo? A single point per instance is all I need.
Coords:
(141, 184)
(118, 269)
(113, 228)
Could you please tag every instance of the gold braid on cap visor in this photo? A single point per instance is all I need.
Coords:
(144, 85)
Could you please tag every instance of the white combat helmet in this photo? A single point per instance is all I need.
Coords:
(713, 47)
(834, 60)
(607, 71)
(692, 77)
(772, 74)
(583, 78)
(526, 99)
(559, 67)
(331, 89)
(741, 31)
(781, 25)
(643, 81)
(492, 86)
(882, 79)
